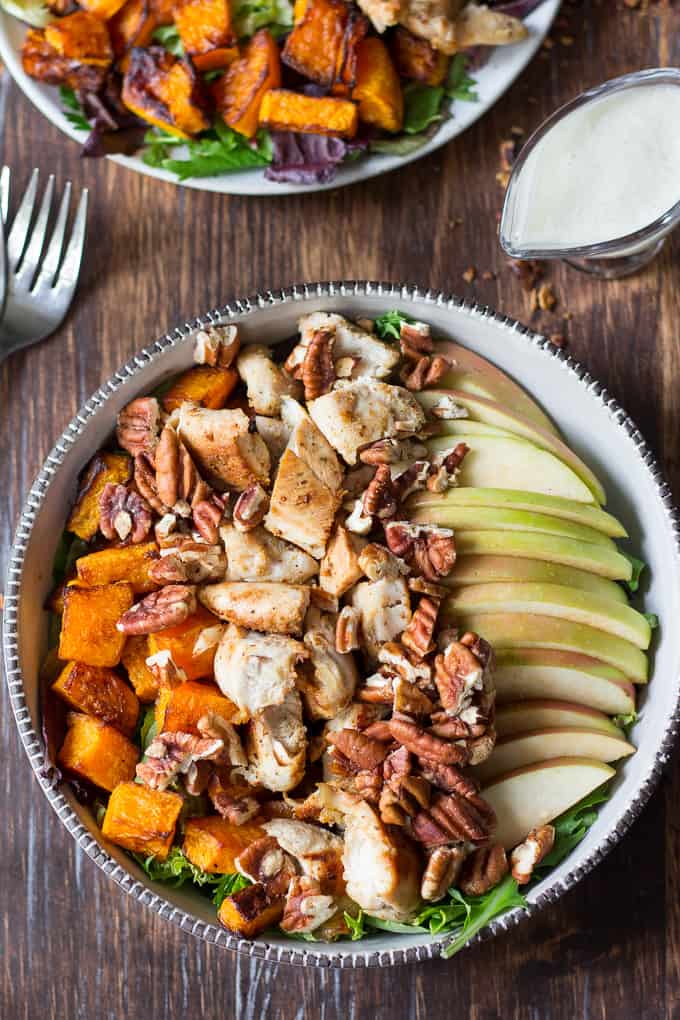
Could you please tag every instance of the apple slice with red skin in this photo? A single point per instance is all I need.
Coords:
(473, 569)
(531, 630)
(520, 749)
(548, 673)
(497, 416)
(536, 794)
(543, 713)
(473, 373)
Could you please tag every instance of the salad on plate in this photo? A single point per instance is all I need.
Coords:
(342, 635)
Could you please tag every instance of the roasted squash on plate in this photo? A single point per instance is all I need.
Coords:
(378, 89)
(238, 93)
(204, 385)
(415, 58)
(180, 708)
(142, 820)
(213, 843)
(196, 660)
(283, 110)
(99, 691)
(205, 30)
(133, 659)
(81, 36)
(95, 751)
(122, 563)
(165, 91)
(103, 468)
(88, 626)
(250, 911)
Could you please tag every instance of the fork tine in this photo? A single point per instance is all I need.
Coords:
(4, 193)
(31, 257)
(22, 221)
(51, 261)
(70, 267)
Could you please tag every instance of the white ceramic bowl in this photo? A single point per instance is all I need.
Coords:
(594, 425)
(504, 65)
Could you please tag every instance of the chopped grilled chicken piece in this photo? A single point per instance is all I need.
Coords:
(263, 605)
(476, 25)
(356, 716)
(340, 568)
(227, 454)
(385, 608)
(265, 381)
(302, 508)
(318, 852)
(275, 435)
(328, 678)
(448, 25)
(258, 556)
(358, 413)
(308, 443)
(256, 670)
(277, 745)
(371, 358)
(307, 908)
(382, 868)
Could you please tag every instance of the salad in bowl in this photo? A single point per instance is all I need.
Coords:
(341, 636)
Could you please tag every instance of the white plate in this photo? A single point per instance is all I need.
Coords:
(505, 64)
(593, 424)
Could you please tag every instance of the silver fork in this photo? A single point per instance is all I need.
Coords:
(38, 290)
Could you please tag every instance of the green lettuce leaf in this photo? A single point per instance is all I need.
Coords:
(146, 728)
(403, 145)
(638, 566)
(571, 827)
(652, 619)
(177, 870)
(624, 720)
(168, 36)
(480, 910)
(69, 549)
(218, 151)
(388, 326)
(422, 107)
(227, 885)
(459, 84)
(250, 15)
(73, 111)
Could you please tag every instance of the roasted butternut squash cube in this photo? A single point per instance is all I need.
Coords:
(238, 93)
(165, 91)
(88, 626)
(203, 25)
(203, 385)
(180, 708)
(142, 820)
(103, 468)
(377, 89)
(129, 563)
(283, 110)
(97, 752)
(133, 25)
(299, 8)
(415, 58)
(82, 37)
(213, 843)
(181, 640)
(250, 911)
(98, 691)
(42, 62)
(215, 60)
(346, 70)
(102, 9)
(315, 46)
(135, 654)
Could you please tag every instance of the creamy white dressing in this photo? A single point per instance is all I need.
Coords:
(605, 170)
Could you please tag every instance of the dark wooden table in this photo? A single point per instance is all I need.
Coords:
(72, 946)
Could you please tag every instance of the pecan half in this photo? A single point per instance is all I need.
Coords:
(360, 750)
(529, 854)
(165, 672)
(411, 480)
(217, 346)
(483, 869)
(172, 754)
(213, 726)
(451, 818)
(264, 861)
(378, 499)
(145, 481)
(415, 337)
(318, 371)
(250, 508)
(235, 803)
(397, 763)
(418, 635)
(307, 908)
(207, 516)
(444, 865)
(409, 699)
(403, 798)
(168, 607)
(426, 371)
(137, 428)
(427, 745)
(347, 630)
(396, 659)
(378, 562)
(421, 586)
(428, 549)
(379, 730)
(478, 646)
(185, 559)
(368, 784)
(449, 778)
(457, 673)
(444, 472)
(391, 451)
(123, 514)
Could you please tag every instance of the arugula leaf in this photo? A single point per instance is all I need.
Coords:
(168, 36)
(249, 15)
(218, 151)
(32, 12)
(388, 326)
(176, 870)
(146, 728)
(396, 926)
(624, 720)
(69, 549)
(422, 107)
(571, 827)
(638, 566)
(459, 84)
(483, 909)
(227, 885)
(652, 619)
(404, 145)
(355, 925)
(73, 111)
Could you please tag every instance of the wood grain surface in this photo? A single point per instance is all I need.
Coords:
(72, 946)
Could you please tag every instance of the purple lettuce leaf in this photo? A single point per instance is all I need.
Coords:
(306, 159)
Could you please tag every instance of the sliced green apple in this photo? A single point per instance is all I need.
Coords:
(535, 502)
(519, 749)
(475, 374)
(545, 673)
(506, 462)
(544, 713)
(495, 415)
(596, 559)
(553, 600)
(470, 518)
(473, 569)
(529, 630)
(536, 794)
